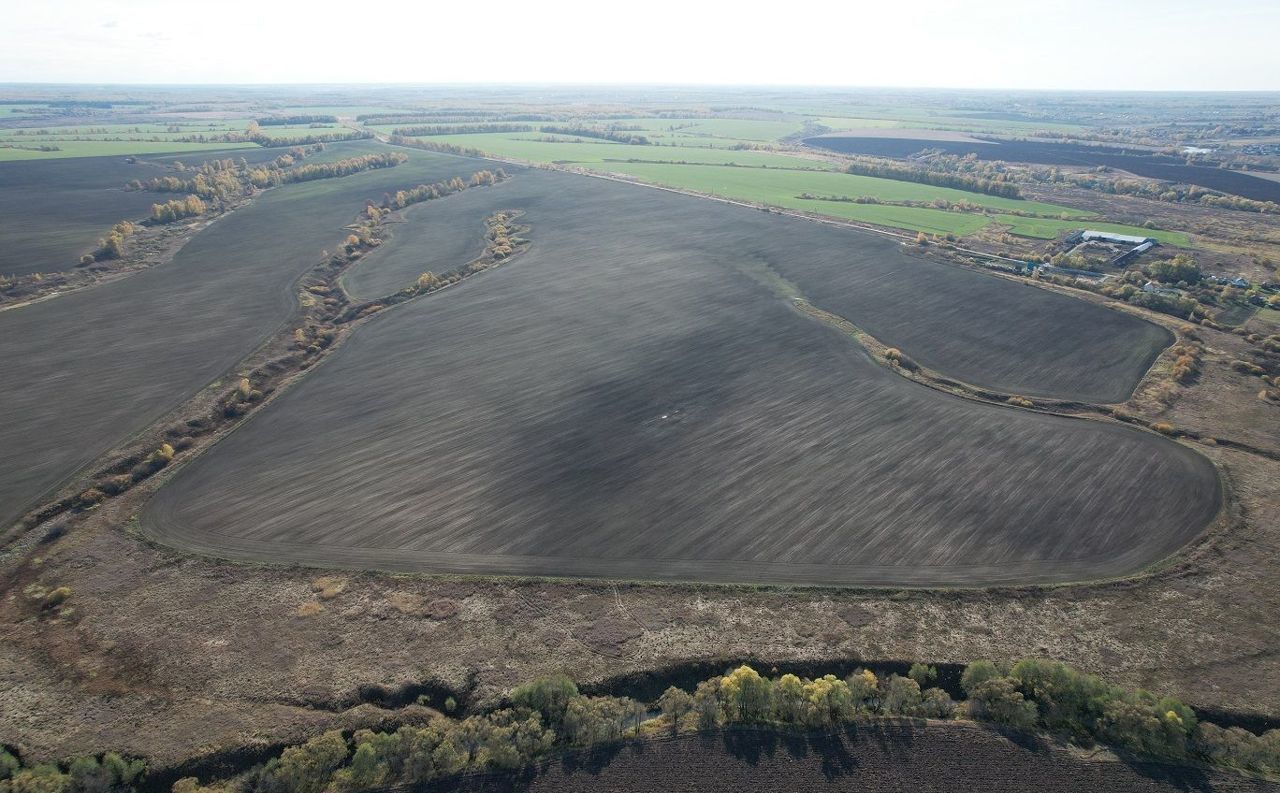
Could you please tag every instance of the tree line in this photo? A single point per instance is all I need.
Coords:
(220, 179)
(268, 177)
(431, 145)
(459, 129)
(551, 714)
(500, 240)
(287, 121)
(959, 181)
(267, 141)
(1157, 190)
(614, 134)
(451, 117)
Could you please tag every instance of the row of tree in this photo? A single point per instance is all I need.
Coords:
(615, 134)
(267, 141)
(269, 177)
(550, 714)
(431, 145)
(500, 241)
(429, 130)
(906, 173)
(1158, 191)
(223, 178)
(451, 117)
(287, 121)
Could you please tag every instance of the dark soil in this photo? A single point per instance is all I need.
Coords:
(622, 402)
(1154, 166)
(85, 371)
(454, 235)
(53, 211)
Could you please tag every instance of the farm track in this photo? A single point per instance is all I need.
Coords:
(868, 758)
(622, 403)
(87, 371)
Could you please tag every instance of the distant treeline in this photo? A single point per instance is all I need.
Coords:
(907, 173)
(451, 117)
(1157, 191)
(287, 121)
(459, 129)
(325, 170)
(614, 134)
(430, 145)
(267, 141)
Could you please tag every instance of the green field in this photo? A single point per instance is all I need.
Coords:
(112, 148)
(770, 185)
(302, 130)
(782, 188)
(594, 153)
(774, 179)
(22, 111)
(87, 139)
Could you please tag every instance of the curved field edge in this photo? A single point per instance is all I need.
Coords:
(158, 527)
(157, 523)
(226, 270)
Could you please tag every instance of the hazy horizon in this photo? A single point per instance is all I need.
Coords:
(1142, 46)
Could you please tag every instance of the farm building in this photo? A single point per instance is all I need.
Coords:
(1133, 253)
(1106, 236)
(1140, 244)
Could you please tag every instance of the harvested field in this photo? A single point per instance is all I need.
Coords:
(54, 210)
(1152, 166)
(85, 371)
(451, 235)
(1037, 343)
(867, 760)
(623, 402)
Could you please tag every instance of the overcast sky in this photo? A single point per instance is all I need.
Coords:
(1084, 44)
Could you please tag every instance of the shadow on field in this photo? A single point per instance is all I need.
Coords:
(596, 758)
(1175, 776)
(832, 748)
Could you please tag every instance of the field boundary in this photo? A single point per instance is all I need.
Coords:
(67, 496)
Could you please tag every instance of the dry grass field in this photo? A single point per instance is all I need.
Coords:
(623, 402)
(85, 371)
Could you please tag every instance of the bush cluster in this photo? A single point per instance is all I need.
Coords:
(110, 773)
